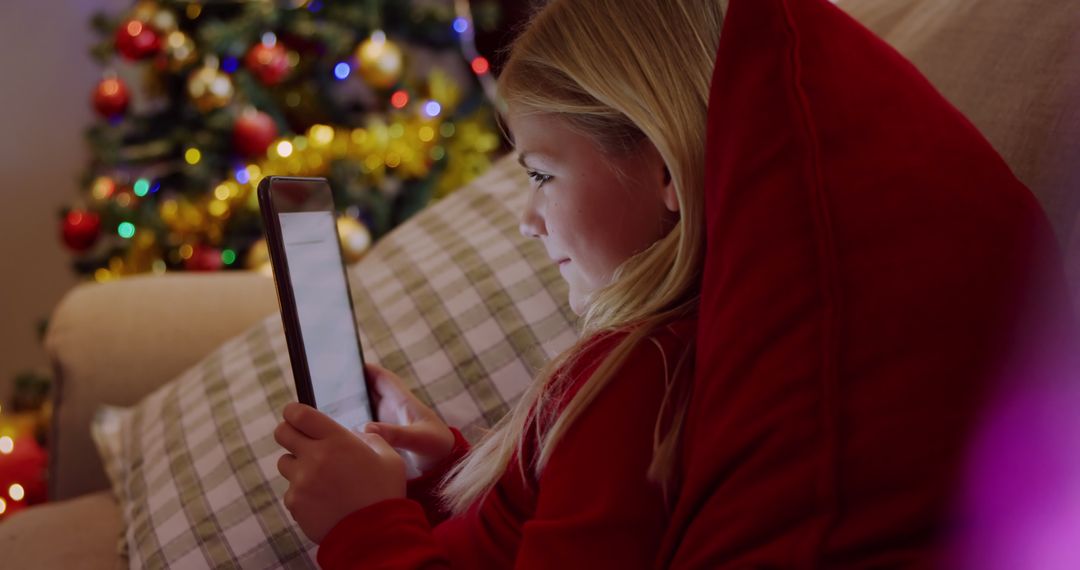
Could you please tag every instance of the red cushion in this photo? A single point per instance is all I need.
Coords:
(865, 249)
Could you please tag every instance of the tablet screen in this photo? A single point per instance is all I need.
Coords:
(325, 315)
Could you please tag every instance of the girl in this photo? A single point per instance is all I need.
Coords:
(611, 130)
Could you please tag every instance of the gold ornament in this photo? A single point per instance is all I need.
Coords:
(179, 51)
(258, 257)
(141, 255)
(381, 61)
(355, 238)
(210, 88)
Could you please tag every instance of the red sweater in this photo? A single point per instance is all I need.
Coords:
(591, 508)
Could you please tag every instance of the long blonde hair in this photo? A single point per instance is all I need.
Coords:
(620, 72)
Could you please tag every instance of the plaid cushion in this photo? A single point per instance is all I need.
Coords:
(455, 300)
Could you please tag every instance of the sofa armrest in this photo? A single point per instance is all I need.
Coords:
(113, 343)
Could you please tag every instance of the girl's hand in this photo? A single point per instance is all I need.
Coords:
(406, 423)
(332, 471)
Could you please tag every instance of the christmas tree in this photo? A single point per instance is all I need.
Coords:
(198, 101)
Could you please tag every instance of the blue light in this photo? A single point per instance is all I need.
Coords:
(461, 25)
(155, 187)
(315, 6)
(432, 108)
(242, 176)
(229, 64)
(342, 70)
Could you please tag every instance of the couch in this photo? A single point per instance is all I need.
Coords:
(1013, 67)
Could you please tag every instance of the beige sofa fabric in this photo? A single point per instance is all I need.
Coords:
(116, 342)
(1011, 66)
(81, 533)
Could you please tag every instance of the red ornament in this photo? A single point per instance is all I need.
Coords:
(111, 97)
(22, 474)
(253, 132)
(269, 62)
(136, 40)
(204, 258)
(80, 230)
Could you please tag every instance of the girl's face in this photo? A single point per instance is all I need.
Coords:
(590, 218)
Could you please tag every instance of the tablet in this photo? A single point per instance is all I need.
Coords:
(314, 297)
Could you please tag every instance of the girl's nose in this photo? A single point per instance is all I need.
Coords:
(532, 224)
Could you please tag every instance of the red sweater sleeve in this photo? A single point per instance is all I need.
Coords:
(423, 488)
(389, 534)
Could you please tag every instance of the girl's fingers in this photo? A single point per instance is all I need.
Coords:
(309, 421)
(384, 383)
(396, 436)
(288, 437)
(379, 445)
(286, 465)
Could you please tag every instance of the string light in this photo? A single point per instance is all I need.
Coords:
(141, 187)
(192, 155)
(228, 257)
(16, 492)
(284, 149)
(3, 506)
(461, 25)
(322, 135)
(342, 70)
(104, 187)
(480, 65)
(432, 109)
(399, 99)
(472, 54)
(126, 230)
(230, 64)
(7, 445)
(221, 192)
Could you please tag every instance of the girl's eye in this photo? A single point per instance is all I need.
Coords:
(540, 179)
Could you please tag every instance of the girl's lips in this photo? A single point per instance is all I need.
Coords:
(562, 262)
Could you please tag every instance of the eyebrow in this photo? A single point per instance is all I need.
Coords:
(522, 156)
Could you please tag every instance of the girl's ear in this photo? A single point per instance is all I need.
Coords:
(671, 199)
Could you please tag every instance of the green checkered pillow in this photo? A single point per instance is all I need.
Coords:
(455, 301)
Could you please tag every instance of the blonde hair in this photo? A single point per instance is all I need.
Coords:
(620, 72)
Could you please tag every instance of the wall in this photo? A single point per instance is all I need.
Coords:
(47, 77)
